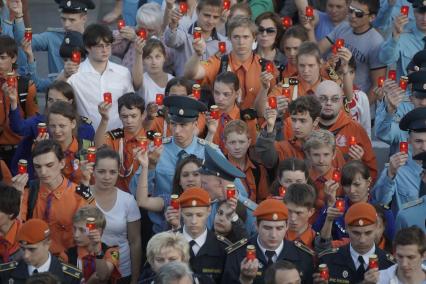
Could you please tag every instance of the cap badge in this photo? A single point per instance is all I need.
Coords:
(361, 222)
(194, 203)
(345, 274)
(69, 4)
(181, 112)
(424, 85)
(67, 40)
(274, 216)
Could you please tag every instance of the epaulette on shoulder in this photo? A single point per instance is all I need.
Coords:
(86, 120)
(71, 270)
(8, 266)
(223, 239)
(301, 246)
(167, 140)
(236, 245)
(84, 191)
(205, 142)
(328, 251)
(412, 203)
(390, 257)
(55, 30)
(249, 204)
(116, 133)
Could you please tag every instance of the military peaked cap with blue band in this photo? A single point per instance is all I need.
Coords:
(183, 109)
(418, 84)
(414, 120)
(72, 41)
(75, 6)
(419, 60)
(216, 164)
(418, 3)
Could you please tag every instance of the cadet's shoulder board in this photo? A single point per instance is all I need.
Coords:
(301, 246)
(412, 203)
(223, 239)
(167, 140)
(8, 266)
(249, 204)
(71, 270)
(56, 30)
(84, 191)
(293, 81)
(116, 133)
(205, 142)
(328, 251)
(86, 120)
(390, 257)
(236, 245)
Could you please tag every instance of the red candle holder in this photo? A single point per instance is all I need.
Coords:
(197, 33)
(392, 75)
(269, 67)
(214, 112)
(121, 24)
(22, 166)
(373, 261)
(281, 191)
(334, 49)
(287, 22)
(403, 82)
(90, 223)
(251, 252)
(143, 143)
(158, 140)
(226, 5)
(174, 202)
(380, 81)
(340, 42)
(272, 101)
(108, 97)
(41, 128)
(91, 155)
(340, 205)
(142, 33)
(183, 8)
(404, 10)
(28, 35)
(352, 141)
(11, 80)
(286, 90)
(76, 56)
(222, 47)
(159, 99)
(323, 271)
(309, 11)
(336, 176)
(196, 91)
(403, 147)
(230, 191)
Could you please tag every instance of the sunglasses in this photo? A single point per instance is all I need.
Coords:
(358, 13)
(267, 30)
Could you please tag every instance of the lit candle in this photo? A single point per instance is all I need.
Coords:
(340, 42)
(340, 205)
(41, 128)
(286, 90)
(196, 91)
(272, 101)
(183, 8)
(11, 80)
(251, 252)
(309, 11)
(90, 223)
(28, 34)
(380, 81)
(230, 191)
(197, 33)
(373, 261)
(269, 67)
(22, 166)
(403, 82)
(143, 143)
(159, 99)
(403, 147)
(323, 270)
(287, 22)
(121, 24)
(91, 155)
(214, 112)
(158, 140)
(108, 97)
(76, 56)
(142, 33)
(404, 10)
(336, 176)
(392, 75)
(222, 47)
(352, 141)
(174, 202)
(281, 191)
(226, 5)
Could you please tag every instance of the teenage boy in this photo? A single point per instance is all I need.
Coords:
(53, 198)
(207, 253)
(23, 89)
(180, 38)
(300, 202)
(131, 108)
(237, 143)
(270, 247)
(97, 76)
(90, 254)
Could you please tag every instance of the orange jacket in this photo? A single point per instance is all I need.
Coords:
(72, 170)
(8, 243)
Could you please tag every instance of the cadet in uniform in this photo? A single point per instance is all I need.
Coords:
(34, 237)
(51, 39)
(348, 264)
(270, 247)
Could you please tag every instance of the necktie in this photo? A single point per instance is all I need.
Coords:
(361, 270)
(181, 155)
(191, 244)
(269, 255)
(35, 271)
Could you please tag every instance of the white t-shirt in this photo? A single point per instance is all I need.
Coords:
(125, 210)
(359, 109)
(150, 88)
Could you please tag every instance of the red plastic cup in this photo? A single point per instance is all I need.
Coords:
(222, 47)
(76, 56)
(272, 101)
(159, 98)
(404, 10)
(142, 33)
(403, 147)
(183, 8)
(309, 11)
(287, 22)
(108, 97)
(392, 75)
(22, 166)
(121, 24)
(380, 81)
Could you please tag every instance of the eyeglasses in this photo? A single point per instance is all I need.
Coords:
(324, 99)
(358, 13)
(267, 30)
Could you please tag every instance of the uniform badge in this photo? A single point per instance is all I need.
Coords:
(181, 112)
(11, 281)
(67, 40)
(194, 203)
(345, 274)
(360, 222)
(274, 216)
(260, 265)
(69, 4)
(75, 164)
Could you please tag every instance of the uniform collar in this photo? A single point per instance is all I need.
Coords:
(200, 240)
(316, 176)
(191, 147)
(128, 136)
(43, 268)
(278, 250)
(246, 64)
(87, 67)
(249, 163)
(57, 192)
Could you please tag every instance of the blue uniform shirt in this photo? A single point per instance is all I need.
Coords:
(385, 17)
(404, 187)
(50, 41)
(413, 213)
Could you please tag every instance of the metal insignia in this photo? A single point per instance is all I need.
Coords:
(260, 265)
(360, 222)
(345, 274)
(64, 267)
(69, 4)
(11, 281)
(274, 216)
(67, 40)
(181, 112)
(194, 203)
(424, 85)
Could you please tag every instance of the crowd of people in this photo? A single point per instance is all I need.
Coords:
(214, 141)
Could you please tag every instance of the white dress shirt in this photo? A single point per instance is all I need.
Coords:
(43, 268)
(277, 251)
(89, 86)
(199, 242)
(366, 256)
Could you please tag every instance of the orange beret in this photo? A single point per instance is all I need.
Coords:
(361, 214)
(194, 197)
(271, 210)
(33, 231)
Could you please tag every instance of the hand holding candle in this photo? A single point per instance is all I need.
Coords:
(121, 24)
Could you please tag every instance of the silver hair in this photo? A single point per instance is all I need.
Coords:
(150, 16)
(172, 271)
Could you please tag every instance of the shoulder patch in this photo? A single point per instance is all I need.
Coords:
(86, 120)
(167, 140)
(328, 251)
(55, 30)
(301, 246)
(205, 142)
(223, 239)
(412, 203)
(71, 270)
(391, 258)
(84, 191)
(236, 245)
(8, 266)
(116, 133)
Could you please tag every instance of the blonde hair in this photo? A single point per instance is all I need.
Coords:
(237, 126)
(167, 240)
(241, 21)
(90, 211)
(319, 138)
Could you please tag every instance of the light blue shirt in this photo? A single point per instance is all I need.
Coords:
(324, 26)
(385, 18)
(50, 41)
(412, 215)
(404, 187)
(387, 125)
